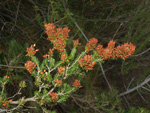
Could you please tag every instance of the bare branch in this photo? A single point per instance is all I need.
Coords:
(135, 88)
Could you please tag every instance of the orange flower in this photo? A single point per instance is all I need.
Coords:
(59, 45)
(111, 44)
(5, 103)
(58, 82)
(49, 55)
(30, 66)
(63, 57)
(86, 62)
(54, 96)
(76, 42)
(50, 30)
(65, 33)
(107, 53)
(61, 69)
(91, 44)
(77, 84)
(124, 50)
(31, 51)
(99, 49)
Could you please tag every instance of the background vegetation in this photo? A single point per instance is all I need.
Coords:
(22, 24)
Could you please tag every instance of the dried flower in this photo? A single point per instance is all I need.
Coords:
(30, 66)
(77, 84)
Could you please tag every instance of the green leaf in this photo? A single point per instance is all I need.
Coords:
(22, 84)
(72, 54)
(35, 60)
(43, 65)
(52, 62)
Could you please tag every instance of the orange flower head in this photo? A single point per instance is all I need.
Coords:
(61, 69)
(50, 30)
(63, 57)
(65, 33)
(86, 63)
(59, 45)
(77, 84)
(124, 50)
(76, 42)
(54, 96)
(30, 66)
(91, 44)
(111, 44)
(31, 51)
(99, 49)
(58, 82)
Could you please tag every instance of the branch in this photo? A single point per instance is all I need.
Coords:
(135, 88)
(19, 67)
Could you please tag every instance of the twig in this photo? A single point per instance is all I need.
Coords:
(16, 16)
(140, 54)
(117, 31)
(19, 67)
(135, 88)
(142, 96)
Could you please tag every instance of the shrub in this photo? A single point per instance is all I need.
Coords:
(57, 78)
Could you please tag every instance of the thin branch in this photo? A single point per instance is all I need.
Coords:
(135, 88)
(140, 54)
(19, 67)
(142, 96)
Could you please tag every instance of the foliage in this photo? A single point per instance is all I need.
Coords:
(120, 20)
(55, 88)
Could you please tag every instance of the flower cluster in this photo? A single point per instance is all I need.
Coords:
(111, 51)
(58, 82)
(54, 96)
(86, 62)
(63, 56)
(61, 69)
(5, 103)
(124, 50)
(91, 44)
(58, 37)
(76, 42)
(30, 66)
(77, 84)
(31, 51)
